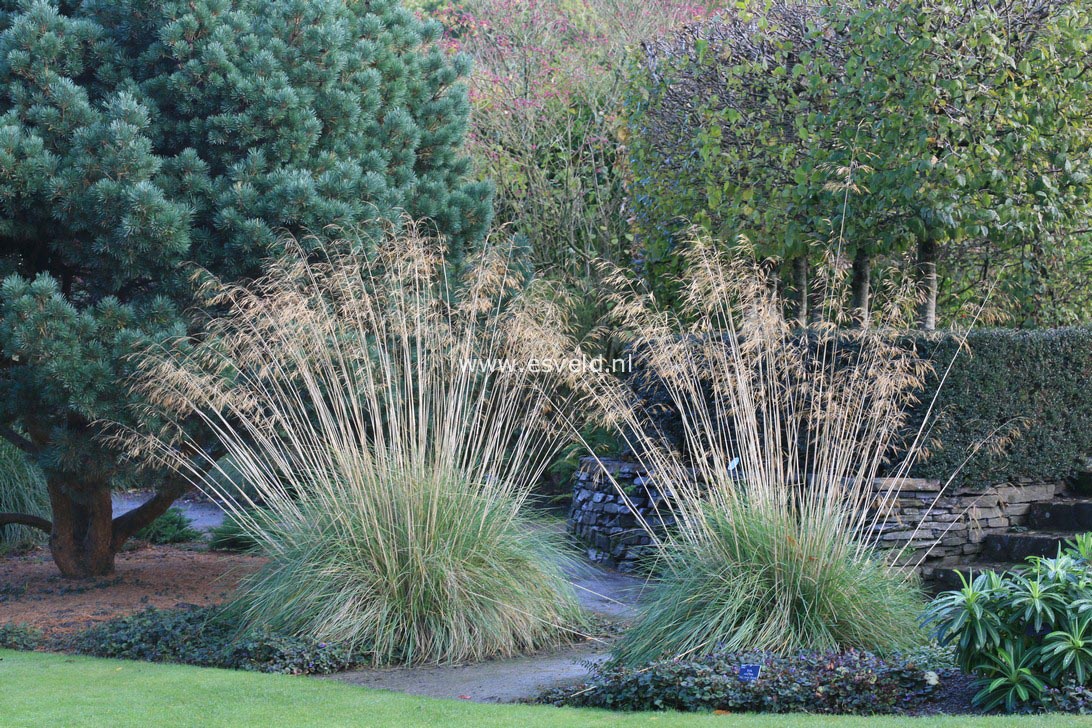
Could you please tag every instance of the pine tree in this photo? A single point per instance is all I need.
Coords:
(139, 135)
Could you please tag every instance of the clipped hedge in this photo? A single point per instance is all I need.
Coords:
(1039, 380)
(1034, 384)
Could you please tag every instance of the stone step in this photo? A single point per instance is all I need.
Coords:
(1068, 514)
(947, 578)
(1017, 547)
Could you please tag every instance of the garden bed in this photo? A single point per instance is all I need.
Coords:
(921, 682)
(183, 579)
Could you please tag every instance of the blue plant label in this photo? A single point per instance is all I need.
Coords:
(749, 673)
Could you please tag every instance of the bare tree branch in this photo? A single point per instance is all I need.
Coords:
(129, 523)
(23, 443)
(25, 519)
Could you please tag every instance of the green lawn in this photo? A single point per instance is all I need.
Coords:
(59, 690)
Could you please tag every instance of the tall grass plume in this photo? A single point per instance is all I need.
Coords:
(783, 430)
(392, 476)
(22, 490)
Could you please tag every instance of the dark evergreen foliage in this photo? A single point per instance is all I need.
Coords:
(1015, 404)
(138, 135)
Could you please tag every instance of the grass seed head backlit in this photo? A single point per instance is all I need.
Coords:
(393, 479)
(774, 552)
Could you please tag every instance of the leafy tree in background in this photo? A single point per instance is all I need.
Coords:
(546, 125)
(721, 138)
(955, 131)
(137, 135)
(979, 117)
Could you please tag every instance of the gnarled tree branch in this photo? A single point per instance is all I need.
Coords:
(18, 440)
(25, 519)
(129, 523)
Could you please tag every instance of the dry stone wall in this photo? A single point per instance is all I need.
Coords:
(602, 520)
(950, 526)
(946, 529)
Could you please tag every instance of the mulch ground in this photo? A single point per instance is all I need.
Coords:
(33, 593)
(954, 697)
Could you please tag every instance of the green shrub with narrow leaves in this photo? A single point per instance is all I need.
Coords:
(236, 535)
(1025, 633)
(22, 490)
(172, 527)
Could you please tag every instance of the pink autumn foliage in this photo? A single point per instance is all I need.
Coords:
(547, 92)
(532, 53)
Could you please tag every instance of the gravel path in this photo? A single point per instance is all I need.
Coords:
(204, 516)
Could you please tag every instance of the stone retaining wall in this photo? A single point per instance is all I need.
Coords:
(954, 525)
(600, 518)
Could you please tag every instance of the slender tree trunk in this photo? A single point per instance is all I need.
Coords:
(81, 541)
(861, 285)
(817, 293)
(927, 272)
(800, 281)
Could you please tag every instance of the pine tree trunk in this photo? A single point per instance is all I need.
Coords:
(927, 272)
(861, 283)
(85, 536)
(82, 537)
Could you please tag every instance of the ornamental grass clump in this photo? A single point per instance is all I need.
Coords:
(783, 430)
(353, 392)
(22, 490)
